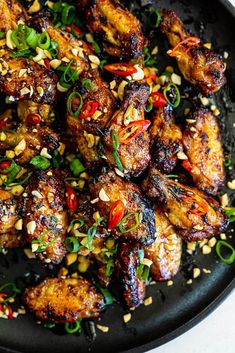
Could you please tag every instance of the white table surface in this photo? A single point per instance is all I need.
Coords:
(215, 334)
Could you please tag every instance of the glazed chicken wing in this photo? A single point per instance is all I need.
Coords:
(25, 84)
(194, 214)
(11, 11)
(45, 216)
(165, 139)
(165, 252)
(64, 300)
(118, 30)
(9, 236)
(134, 153)
(86, 132)
(202, 143)
(114, 188)
(126, 269)
(201, 66)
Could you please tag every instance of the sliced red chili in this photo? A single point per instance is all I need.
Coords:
(158, 99)
(74, 28)
(3, 295)
(116, 214)
(121, 69)
(72, 199)
(187, 165)
(47, 63)
(88, 109)
(133, 130)
(10, 313)
(33, 119)
(4, 166)
(183, 47)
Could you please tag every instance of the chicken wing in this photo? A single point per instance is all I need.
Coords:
(64, 300)
(201, 66)
(87, 131)
(11, 11)
(9, 236)
(117, 29)
(115, 188)
(194, 214)
(165, 139)
(24, 85)
(126, 269)
(165, 252)
(202, 143)
(134, 155)
(45, 216)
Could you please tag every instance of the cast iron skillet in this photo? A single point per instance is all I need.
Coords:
(177, 308)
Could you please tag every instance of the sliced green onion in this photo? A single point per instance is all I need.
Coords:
(102, 63)
(12, 288)
(88, 84)
(23, 180)
(72, 244)
(27, 53)
(44, 41)
(117, 161)
(96, 47)
(58, 6)
(149, 106)
(79, 221)
(109, 299)
(227, 163)
(172, 95)
(2, 35)
(115, 140)
(68, 14)
(69, 76)
(32, 38)
(109, 267)
(12, 166)
(122, 222)
(149, 61)
(69, 182)
(143, 272)
(70, 101)
(72, 327)
(76, 167)
(140, 254)
(230, 213)
(12, 175)
(49, 325)
(90, 235)
(18, 40)
(154, 19)
(171, 176)
(40, 162)
(220, 244)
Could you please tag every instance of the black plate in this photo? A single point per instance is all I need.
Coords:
(177, 308)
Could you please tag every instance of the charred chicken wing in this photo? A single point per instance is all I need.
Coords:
(194, 214)
(45, 216)
(201, 66)
(64, 300)
(118, 29)
(202, 143)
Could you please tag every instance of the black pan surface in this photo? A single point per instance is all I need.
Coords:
(177, 308)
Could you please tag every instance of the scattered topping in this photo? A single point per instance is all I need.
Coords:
(148, 301)
(231, 184)
(206, 249)
(196, 272)
(88, 109)
(133, 130)
(103, 196)
(19, 224)
(103, 328)
(116, 214)
(31, 226)
(127, 318)
(170, 283)
(120, 69)
(222, 247)
(158, 99)
(71, 199)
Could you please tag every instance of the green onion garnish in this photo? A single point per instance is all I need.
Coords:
(154, 19)
(230, 213)
(40, 162)
(227, 163)
(172, 95)
(72, 96)
(149, 61)
(223, 244)
(88, 84)
(109, 299)
(96, 47)
(76, 167)
(125, 218)
(2, 35)
(143, 272)
(69, 76)
(11, 287)
(44, 41)
(72, 244)
(9, 169)
(90, 235)
(109, 267)
(115, 140)
(117, 161)
(72, 327)
(68, 14)
(70, 182)
(78, 221)
(12, 175)
(49, 325)
(27, 53)
(149, 106)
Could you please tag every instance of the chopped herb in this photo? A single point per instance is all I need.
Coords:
(73, 327)
(72, 244)
(88, 84)
(227, 163)
(221, 244)
(149, 61)
(40, 162)
(76, 167)
(230, 213)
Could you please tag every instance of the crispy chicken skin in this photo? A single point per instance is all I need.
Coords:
(68, 46)
(118, 189)
(11, 11)
(9, 236)
(26, 107)
(166, 250)
(134, 155)
(202, 143)
(194, 214)
(126, 269)
(45, 215)
(36, 76)
(165, 139)
(64, 300)
(87, 132)
(117, 29)
(201, 66)
(35, 140)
